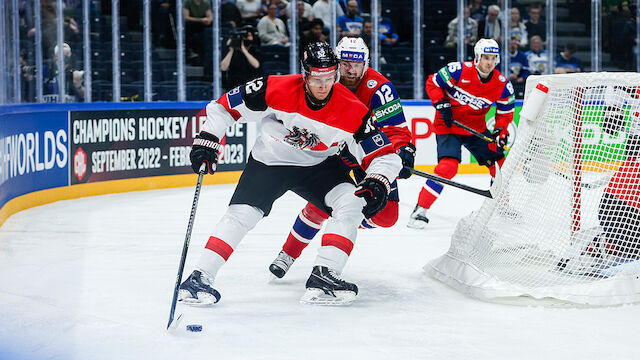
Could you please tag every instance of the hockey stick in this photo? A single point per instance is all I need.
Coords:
(491, 193)
(185, 247)
(478, 134)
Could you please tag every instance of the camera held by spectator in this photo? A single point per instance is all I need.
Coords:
(242, 34)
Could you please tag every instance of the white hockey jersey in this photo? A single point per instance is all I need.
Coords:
(293, 134)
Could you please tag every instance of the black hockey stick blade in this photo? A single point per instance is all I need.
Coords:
(478, 134)
(491, 193)
(185, 248)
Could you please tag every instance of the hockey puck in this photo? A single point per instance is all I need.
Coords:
(194, 328)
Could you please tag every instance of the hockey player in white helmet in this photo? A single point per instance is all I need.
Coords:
(377, 92)
(465, 91)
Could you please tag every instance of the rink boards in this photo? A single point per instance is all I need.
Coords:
(51, 152)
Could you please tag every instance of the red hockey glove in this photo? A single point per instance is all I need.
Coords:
(205, 149)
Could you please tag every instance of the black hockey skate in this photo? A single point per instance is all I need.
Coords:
(197, 290)
(418, 218)
(324, 287)
(281, 264)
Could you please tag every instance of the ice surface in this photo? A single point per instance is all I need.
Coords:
(93, 278)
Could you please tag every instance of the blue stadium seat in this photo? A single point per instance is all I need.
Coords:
(166, 90)
(275, 68)
(199, 90)
(130, 92)
(405, 71)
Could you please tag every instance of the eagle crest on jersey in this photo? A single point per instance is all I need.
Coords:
(302, 138)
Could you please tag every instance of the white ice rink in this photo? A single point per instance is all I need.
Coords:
(93, 279)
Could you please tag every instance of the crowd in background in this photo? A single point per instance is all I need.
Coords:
(256, 39)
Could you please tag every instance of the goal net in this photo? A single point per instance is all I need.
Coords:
(566, 222)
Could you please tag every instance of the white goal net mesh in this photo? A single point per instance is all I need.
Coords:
(566, 221)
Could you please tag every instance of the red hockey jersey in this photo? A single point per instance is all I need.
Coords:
(470, 98)
(291, 133)
(377, 92)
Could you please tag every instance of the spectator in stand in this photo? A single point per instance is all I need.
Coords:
(470, 30)
(313, 34)
(518, 29)
(518, 63)
(388, 34)
(535, 26)
(230, 14)
(623, 26)
(321, 9)
(343, 4)
(367, 31)
(306, 12)
(304, 17)
(74, 79)
(350, 24)
(491, 27)
(49, 28)
(242, 61)
(160, 23)
(537, 57)
(249, 9)
(566, 61)
(197, 17)
(478, 10)
(272, 30)
(28, 72)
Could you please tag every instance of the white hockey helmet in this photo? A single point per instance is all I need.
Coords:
(353, 49)
(486, 47)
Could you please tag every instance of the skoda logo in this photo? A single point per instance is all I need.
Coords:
(371, 84)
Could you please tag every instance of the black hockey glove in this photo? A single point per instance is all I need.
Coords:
(444, 108)
(375, 190)
(500, 136)
(408, 155)
(205, 149)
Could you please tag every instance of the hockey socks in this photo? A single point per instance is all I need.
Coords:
(305, 228)
(429, 193)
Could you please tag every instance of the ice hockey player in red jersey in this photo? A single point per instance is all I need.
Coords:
(465, 91)
(305, 120)
(619, 208)
(377, 92)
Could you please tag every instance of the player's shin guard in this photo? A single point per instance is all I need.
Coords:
(228, 233)
(305, 228)
(446, 168)
(341, 228)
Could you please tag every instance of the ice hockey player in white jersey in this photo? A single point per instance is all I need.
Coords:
(305, 120)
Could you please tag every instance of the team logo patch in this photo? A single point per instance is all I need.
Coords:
(301, 138)
(371, 84)
(378, 140)
(502, 78)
